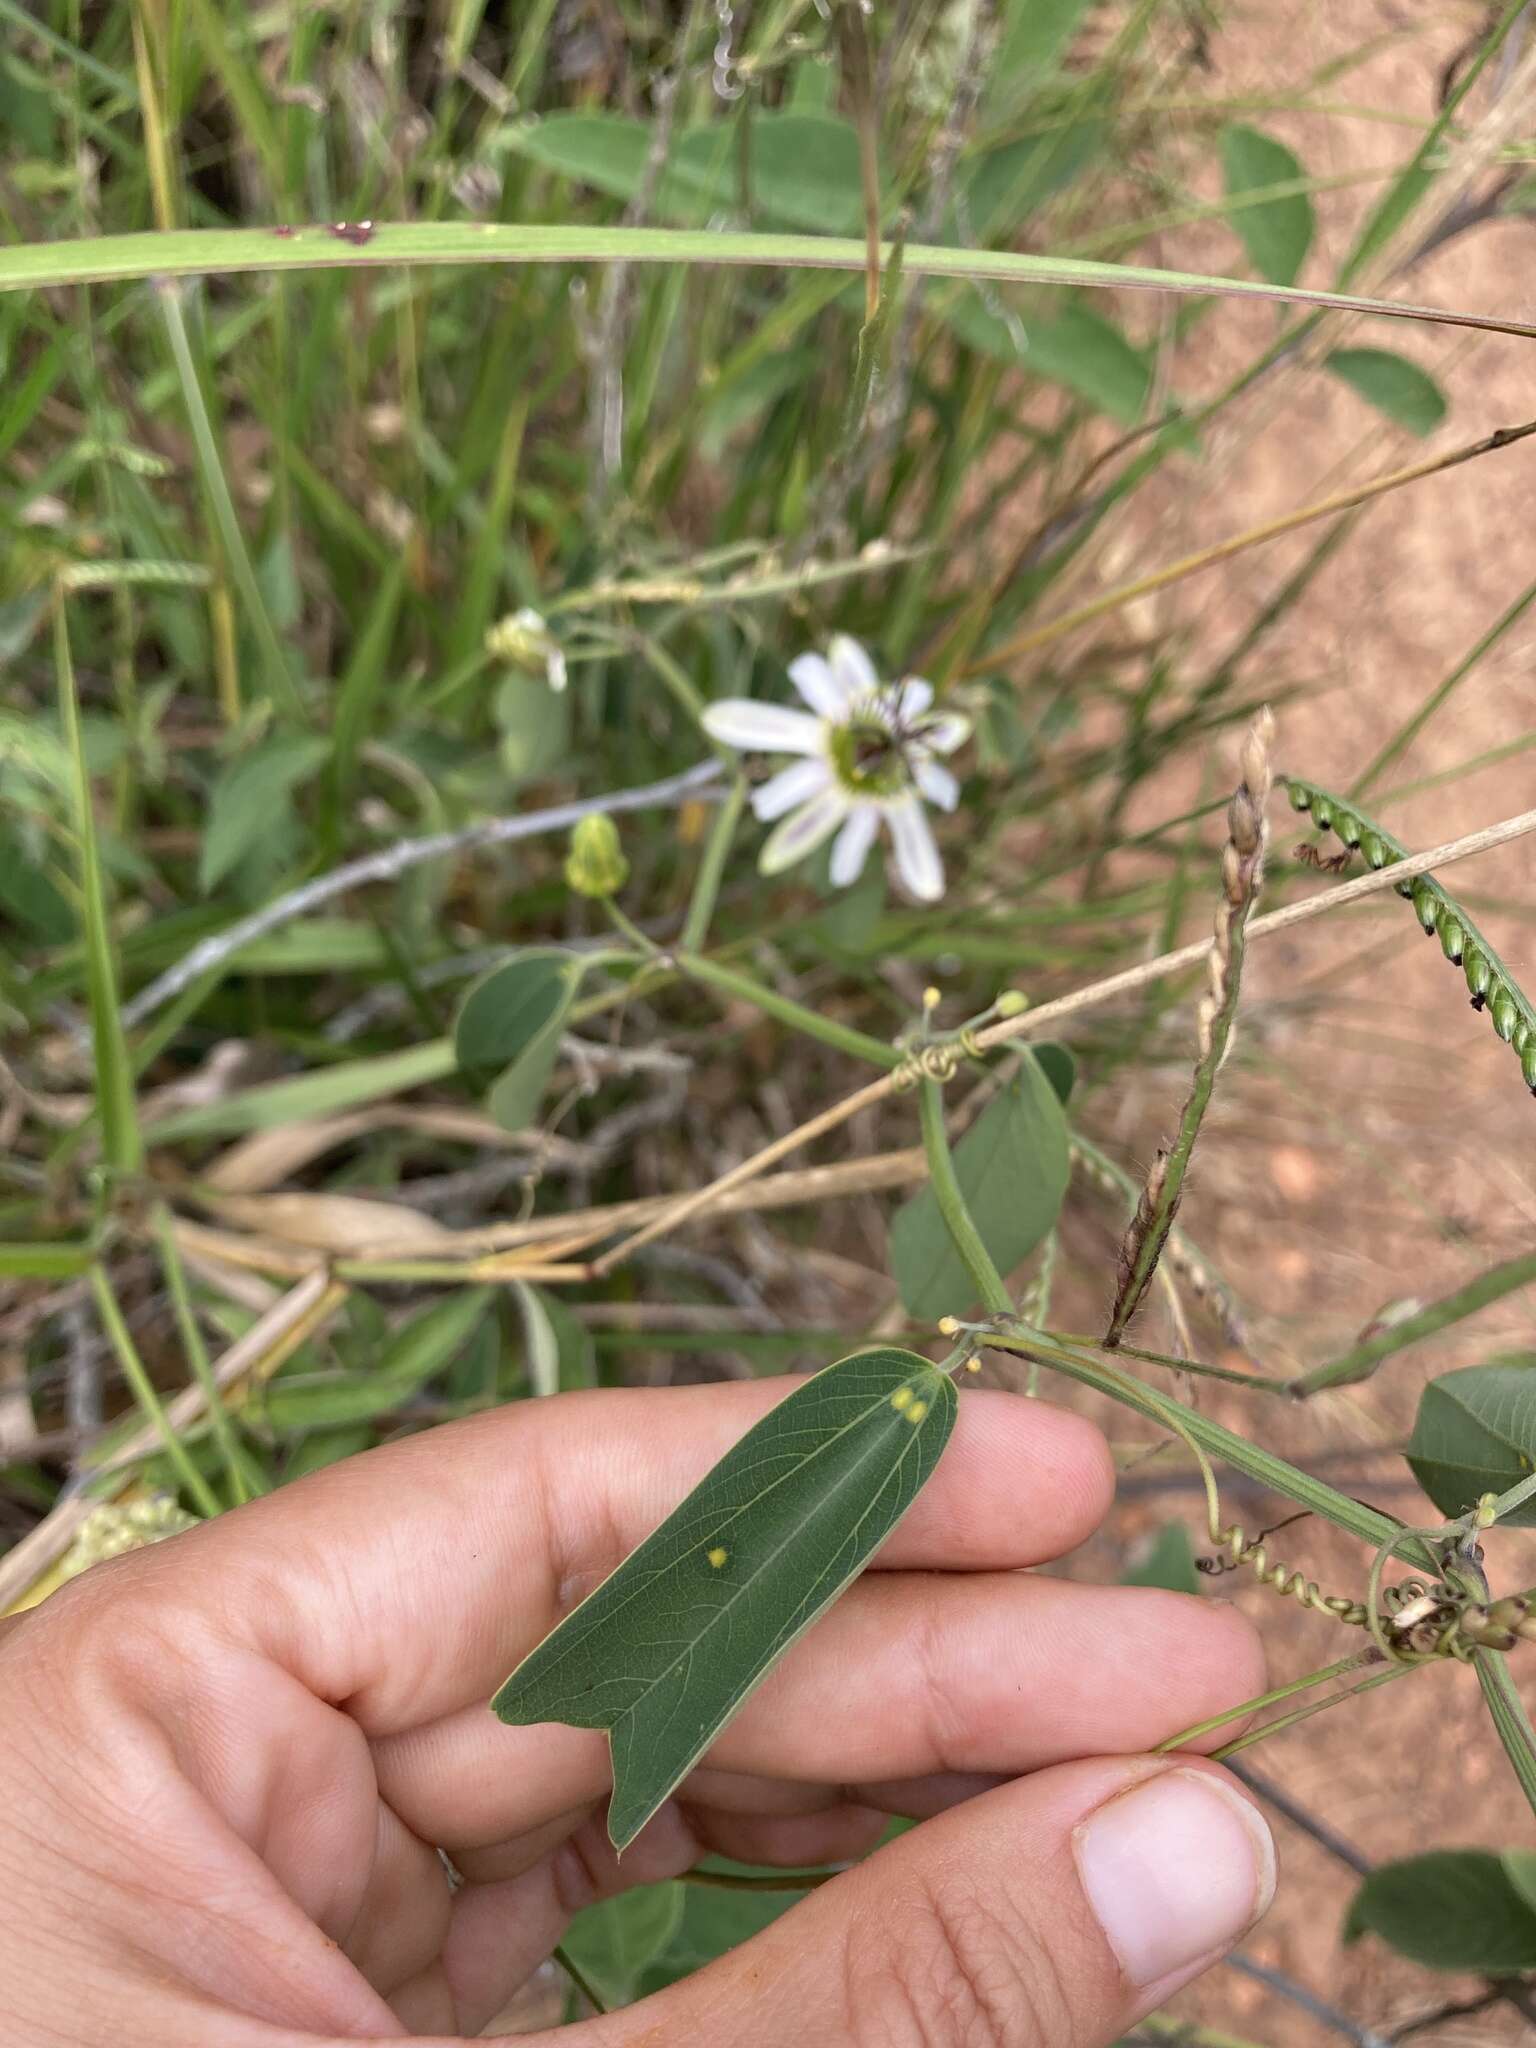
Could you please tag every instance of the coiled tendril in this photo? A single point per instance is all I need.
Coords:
(938, 1061)
(1235, 1547)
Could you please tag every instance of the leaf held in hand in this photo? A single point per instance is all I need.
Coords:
(1012, 1166)
(668, 1647)
(1475, 1433)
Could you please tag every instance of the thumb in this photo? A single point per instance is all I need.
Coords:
(1052, 1912)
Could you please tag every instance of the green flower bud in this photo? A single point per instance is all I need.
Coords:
(596, 865)
(1012, 1003)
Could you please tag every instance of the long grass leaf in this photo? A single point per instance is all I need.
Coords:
(121, 1146)
(202, 252)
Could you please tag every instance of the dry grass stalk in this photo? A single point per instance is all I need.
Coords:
(1031, 1022)
(1242, 873)
(27, 1569)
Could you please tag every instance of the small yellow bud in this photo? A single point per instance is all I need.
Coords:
(1012, 1003)
(595, 865)
(931, 998)
(948, 1327)
(973, 1365)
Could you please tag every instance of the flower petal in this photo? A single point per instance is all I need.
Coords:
(936, 783)
(913, 697)
(802, 832)
(945, 731)
(852, 666)
(793, 785)
(826, 692)
(762, 728)
(917, 857)
(853, 843)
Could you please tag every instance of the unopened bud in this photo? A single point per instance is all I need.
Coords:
(523, 641)
(948, 1327)
(931, 997)
(595, 865)
(1012, 1003)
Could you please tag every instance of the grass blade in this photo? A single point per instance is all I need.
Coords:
(222, 506)
(202, 252)
(121, 1146)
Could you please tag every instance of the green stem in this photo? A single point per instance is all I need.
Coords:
(628, 929)
(1369, 1524)
(706, 887)
(1257, 1735)
(1510, 1718)
(952, 1204)
(1360, 1362)
(562, 1956)
(145, 1394)
(737, 1881)
(841, 1037)
(1185, 1736)
(197, 1356)
(1263, 1382)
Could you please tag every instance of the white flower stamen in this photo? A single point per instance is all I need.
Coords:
(867, 756)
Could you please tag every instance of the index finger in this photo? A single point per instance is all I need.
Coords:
(408, 1581)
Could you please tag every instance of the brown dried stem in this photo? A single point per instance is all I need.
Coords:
(1242, 873)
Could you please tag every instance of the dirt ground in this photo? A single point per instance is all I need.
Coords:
(1373, 1141)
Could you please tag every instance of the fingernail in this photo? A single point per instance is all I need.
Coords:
(1175, 1869)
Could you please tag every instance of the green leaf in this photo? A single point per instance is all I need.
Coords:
(1074, 346)
(714, 1921)
(568, 1361)
(1035, 33)
(248, 792)
(1169, 1562)
(422, 1347)
(1475, 1433)
(325, 1447)
(29, 894)
(1059, 1067)
(1006, 186)
(326, 1092)
(804, 166)
(616, 1941)
(535, 727)
(668, 1647)
(45, 1261)
(417, 1352)
(1453, 1909)
(1276, 233)
(1408, 396)
(513, 1018)
(543, 1345)
(1012, 1166)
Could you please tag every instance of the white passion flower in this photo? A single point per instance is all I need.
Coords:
(869, 755)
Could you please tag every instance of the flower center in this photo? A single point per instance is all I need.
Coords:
(867, 758)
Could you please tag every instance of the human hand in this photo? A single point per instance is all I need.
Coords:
(231, 1761)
